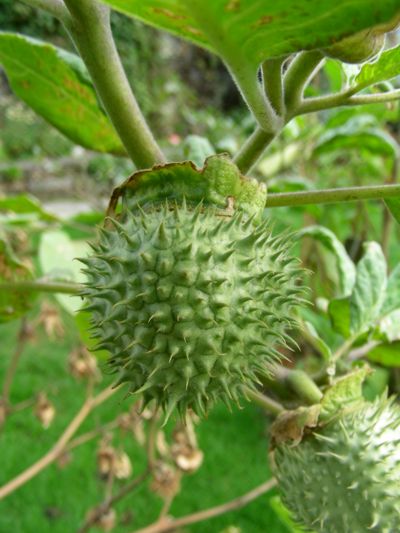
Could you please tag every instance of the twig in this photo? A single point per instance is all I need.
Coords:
(151, 441)
(12, 368)
(89, 435)
(172, 524)
(59, 446)
(106, 505)
(41, 285)
(325, 196)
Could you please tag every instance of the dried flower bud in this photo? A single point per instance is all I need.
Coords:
(166, 480)
(105, 520)
(106, 458)
(49, 318)
(82, 364)
(184, 449)
(122, 465)
(44, 410)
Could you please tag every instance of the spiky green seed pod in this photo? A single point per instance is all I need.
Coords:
(344, 474)
(191, 299)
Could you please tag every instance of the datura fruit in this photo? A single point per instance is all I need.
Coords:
(188, 289)
(341, 472)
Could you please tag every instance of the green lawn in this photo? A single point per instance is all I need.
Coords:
(57, 499)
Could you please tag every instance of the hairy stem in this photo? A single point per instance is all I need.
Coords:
(253, 149)
(54, 7)
(345, 98)
(237, 503)
(273, 86)
(299, 74)
(304, 386)
(60, 445)
(91, 33)
(325, 196)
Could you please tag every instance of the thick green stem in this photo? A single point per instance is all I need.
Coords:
(304, 386)
(273, 83)
(253, 149)
(325, 196)
(42, 286)
(91, 33)
(299, 74)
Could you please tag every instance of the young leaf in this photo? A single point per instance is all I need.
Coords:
(386, 354)
(393, 204)
(355, 314)
(345, 266)
(56, 85)
(253, 30)
(386, 67)
(56, 258)
(24, 204)
(392, 299)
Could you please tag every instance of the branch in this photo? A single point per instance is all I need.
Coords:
(171, 525)
(12, 368)
(41, 285)
(59, 446)
(325, 196)
(54, 7)
(253, 149)
(91, 33)
(273, 83)
(299, 74)
(321, 103)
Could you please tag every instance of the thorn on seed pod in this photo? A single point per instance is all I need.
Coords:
(44, 410)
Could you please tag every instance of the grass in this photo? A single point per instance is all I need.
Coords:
(57, 500)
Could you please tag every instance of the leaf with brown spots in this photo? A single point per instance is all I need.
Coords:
(56, 85)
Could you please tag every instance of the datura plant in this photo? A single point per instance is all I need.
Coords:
(192, 294)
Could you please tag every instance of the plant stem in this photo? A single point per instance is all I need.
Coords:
(273, 86)
(253, 149)
(304, 386)
(268, 404)
(237, 503)
(12, 368)
(325, 196)
(41, 285)
(54, 7)
(299, 74)
(91, 33)
(59, 446)
(321, 103)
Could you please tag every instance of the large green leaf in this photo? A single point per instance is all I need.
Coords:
(385, 68)
(393, 204)
(57, 254)
(249, 31)
(392, 299)
(386, 354)
(25, 204)
(56, 85)
(345, 266)
(355, 314)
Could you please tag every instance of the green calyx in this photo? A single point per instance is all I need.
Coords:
(191, 297)
(219, 183)
(338, 464)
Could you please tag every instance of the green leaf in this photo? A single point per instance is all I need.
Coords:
(252, 30)
(345, 266)
(197, 149)
(386, 67)
(389, 326)
(57, 254)
(386, 354)
(24, 204)
(319, 343)
(392, 298)
(393, 204)
(56, 85)
(355, 314)
(358, 133)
